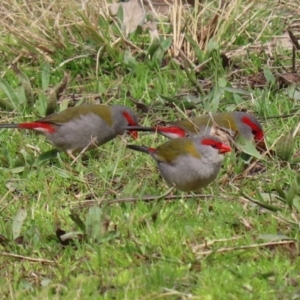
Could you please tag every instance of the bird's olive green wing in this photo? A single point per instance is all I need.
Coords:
(226, 120)
(187, 126)
(103, 111)
(169, 151)
(198, 124)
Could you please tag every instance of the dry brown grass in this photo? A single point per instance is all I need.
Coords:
(45, 27)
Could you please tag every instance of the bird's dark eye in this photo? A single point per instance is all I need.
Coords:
(214, 146)
(254, 132)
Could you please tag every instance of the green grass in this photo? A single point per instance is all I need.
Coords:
(187, 248)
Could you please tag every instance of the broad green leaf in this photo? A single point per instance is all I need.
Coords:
(77, 220)
(296, 203)
(269, 75)
(236, 91)
(285, 147)
(212, 45)
(25, 86)
(291, 193)
(45, 282)
(129, 60)
(110, 236)
(63, 105)
(166, 43)
(222, 82)
(198, 52)
(120, 15)
(18, 222)
(280, 191)
(93, 223)
(45, 76)
(48, 155)
(26, 285)
(217, 95)
(10, 93)
(293, 92)
(63, 174)
(18, 170)
(155, 44)
(22, 97)
(247, 146)
(41, 104)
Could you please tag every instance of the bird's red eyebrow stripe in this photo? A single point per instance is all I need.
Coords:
(253, 126)
(129, 118)
(172, 129)
(249, 123)
(210, 142)
(131, 122)
(36, 125)
(217, 145)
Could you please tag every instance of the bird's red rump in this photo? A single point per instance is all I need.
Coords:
(223, 148)
(131, 122)
(172, 130)
(256, 130)
(38, 126)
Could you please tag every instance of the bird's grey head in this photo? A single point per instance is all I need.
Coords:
(248, 126)
(126, 117)
(211, 147)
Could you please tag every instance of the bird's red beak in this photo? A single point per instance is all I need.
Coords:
(224, 148)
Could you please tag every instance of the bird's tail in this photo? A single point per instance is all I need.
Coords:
(141, 128)
(141, 148)
(9, 125)
(38, 126)
(172, 132)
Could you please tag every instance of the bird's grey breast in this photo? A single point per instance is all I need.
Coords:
(86, 130)
(190, 173)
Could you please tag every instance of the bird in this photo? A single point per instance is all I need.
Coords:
(190, 163)
(83, 127)
(231, 123)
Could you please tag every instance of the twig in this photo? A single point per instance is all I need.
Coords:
(223, 250)
(210, 243)
(93, 141)
(41, 260)
(296, 46)
(279, 117)
(296, 130)
(165, 197)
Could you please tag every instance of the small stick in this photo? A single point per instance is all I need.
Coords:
(147, 199)
(223, 250)
(93, 140)
(41, 260)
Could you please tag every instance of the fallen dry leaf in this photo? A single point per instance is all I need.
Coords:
(133, 14)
